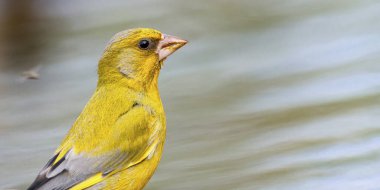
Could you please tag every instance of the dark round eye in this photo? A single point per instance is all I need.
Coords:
(144, 44)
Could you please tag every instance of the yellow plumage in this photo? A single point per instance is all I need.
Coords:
(117, 140)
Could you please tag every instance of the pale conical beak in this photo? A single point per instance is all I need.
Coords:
(168, 45)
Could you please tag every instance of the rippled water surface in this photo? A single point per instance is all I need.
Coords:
(267, 95)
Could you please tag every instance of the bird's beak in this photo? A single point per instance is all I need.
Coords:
(168, 45)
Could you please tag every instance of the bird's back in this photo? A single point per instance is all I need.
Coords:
(116, 142)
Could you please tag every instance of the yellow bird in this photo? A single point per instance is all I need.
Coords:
(117, 140)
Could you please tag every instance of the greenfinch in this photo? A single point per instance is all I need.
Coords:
(117, 140)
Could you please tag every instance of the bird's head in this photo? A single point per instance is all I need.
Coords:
(136, 56)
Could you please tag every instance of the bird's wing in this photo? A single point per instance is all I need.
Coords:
(134, 139)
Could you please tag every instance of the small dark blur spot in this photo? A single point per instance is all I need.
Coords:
(32, 74)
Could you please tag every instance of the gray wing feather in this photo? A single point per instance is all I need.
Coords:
(73, 169)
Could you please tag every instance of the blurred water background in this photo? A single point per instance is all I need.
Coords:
(267, 95)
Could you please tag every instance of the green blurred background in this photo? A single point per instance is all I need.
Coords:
(268, 94)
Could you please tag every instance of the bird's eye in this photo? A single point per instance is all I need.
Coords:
(144, 44)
